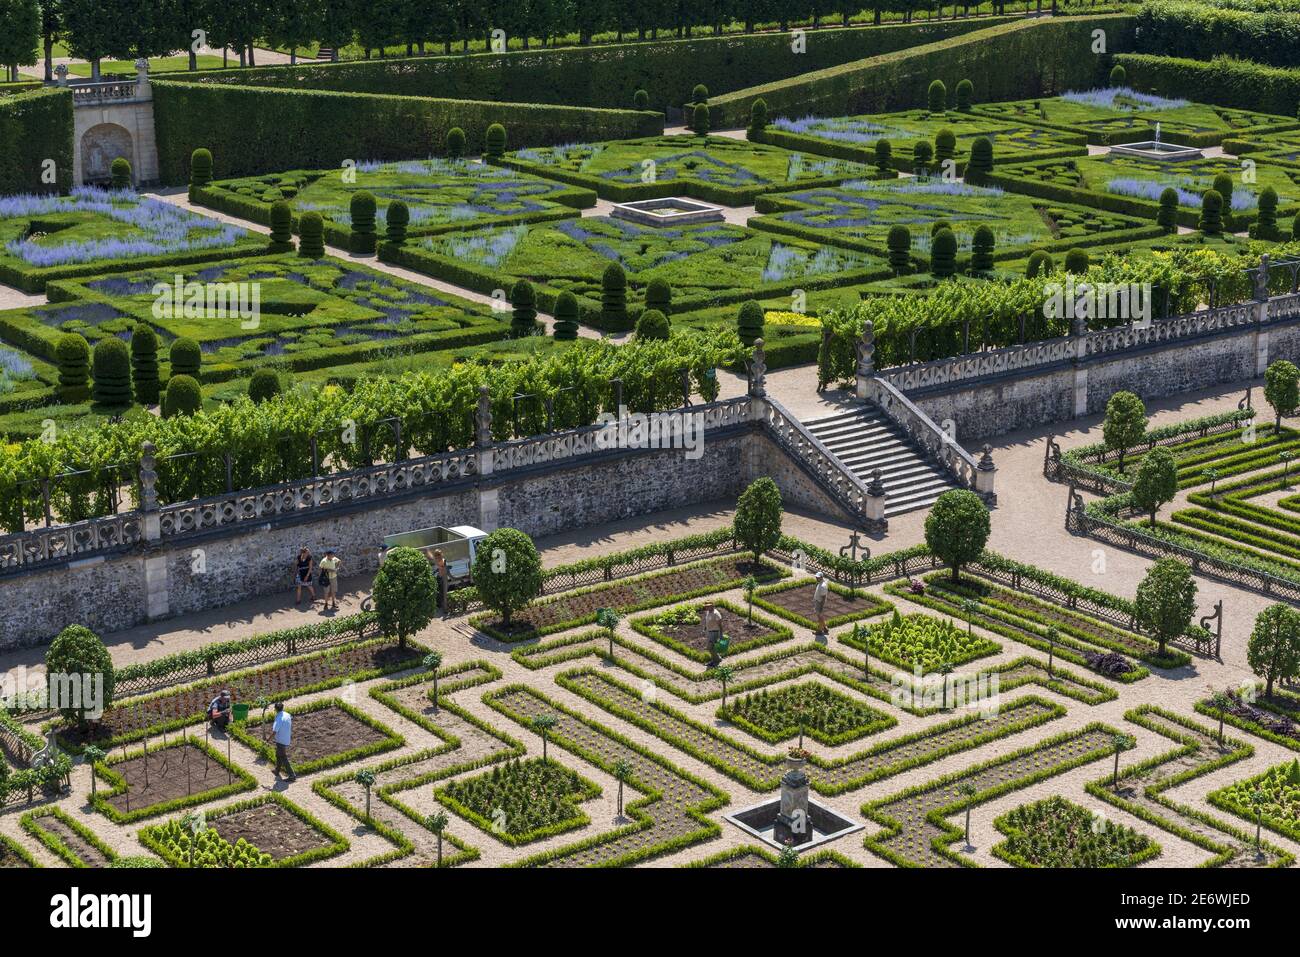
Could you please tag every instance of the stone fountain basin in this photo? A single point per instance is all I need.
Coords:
(1161, 152)
(760, 821)
(668, 211)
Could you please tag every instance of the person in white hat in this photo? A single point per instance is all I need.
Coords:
(819, 602)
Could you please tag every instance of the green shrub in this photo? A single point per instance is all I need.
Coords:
(406, 592)
(659, 295)
(899, 243)
(77, 650)
(981, 160)
(495, 140)
(945, 145)
(1040, 264)
(613, 297)
(1167, 216)
(455, 142)
(200, 170)
(281, 228)
(72, 354)
(884, 156)
(1118, 76)
(185, 357)
(700, 93)
(641, 100)
(943, 254)
(758, 116)
(112, 373)
(700, 120)
(1223, 186)
(1077, 261)
(523, 300)
(957, 529)
(566, 316)
(361, 206)
(311, 236)
(922, 154)
(183, 396)
(264, 384)
(1211, 221)
(1266, 224)
(938, 226)
(120, 173)
(965, 96)
(396, 218)
(981, 259)
(758, 516)
(144, 364)
(507, 572)
(653, 324)
(937, 97)
(749, 322)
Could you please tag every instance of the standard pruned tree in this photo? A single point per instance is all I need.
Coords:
(957, 528)
(406, 593)
(1273, 652)
(1156, 482)
(507, 571)
(757, 524)
(1125, 423)
(1282, 389)
(1166, 601)
(78, 655)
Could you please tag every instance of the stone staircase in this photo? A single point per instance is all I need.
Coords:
(864, 440)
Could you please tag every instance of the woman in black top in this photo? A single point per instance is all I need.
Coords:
(304, 565)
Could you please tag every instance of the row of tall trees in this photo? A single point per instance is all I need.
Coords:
(127, 29)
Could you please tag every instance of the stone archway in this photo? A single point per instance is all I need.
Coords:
(100, 145)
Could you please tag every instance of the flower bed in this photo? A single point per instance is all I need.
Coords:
(793, 601)
(682, 630)
(922, 641)
(1058, 833)
(1279, 809)
(826, 715)
(326, 733)
(521, 801)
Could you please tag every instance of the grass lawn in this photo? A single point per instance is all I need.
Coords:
(167, 64)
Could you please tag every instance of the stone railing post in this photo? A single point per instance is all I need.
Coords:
(142, 78)
(758, 372)
(156, 596)
(1079, 331)
(149, 493)
(61, 75)
(1261, 315)
(866, 347)
(875, 503)
(985, 473)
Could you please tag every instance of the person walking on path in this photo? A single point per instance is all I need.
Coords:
(304, 565)
(282, 728)
(712, 630)
(440, 567)
(819, 602)
(329, 579)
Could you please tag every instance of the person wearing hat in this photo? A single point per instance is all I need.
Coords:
(712, 630)
(819, 602)
(329, 579)
(219, 710)
(282, 728)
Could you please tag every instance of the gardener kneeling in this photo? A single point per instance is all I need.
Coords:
(219, 710)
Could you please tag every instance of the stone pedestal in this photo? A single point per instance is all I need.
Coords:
(984, 476)
(875, 503)
(793, 825)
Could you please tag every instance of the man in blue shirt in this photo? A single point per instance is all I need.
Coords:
(282, 728)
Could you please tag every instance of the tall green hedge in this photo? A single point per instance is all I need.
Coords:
(35, 127)
(1199, 31)
(1222, 81)
(607, 75)
(1037, 57)
(261, 129)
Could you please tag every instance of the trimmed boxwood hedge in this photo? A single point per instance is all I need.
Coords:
(36, 126)
(1222, 81)
(1201, 31)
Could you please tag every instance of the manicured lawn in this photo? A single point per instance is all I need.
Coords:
(167, 64)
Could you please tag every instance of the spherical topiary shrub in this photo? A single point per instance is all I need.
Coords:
(362, 209)
(144, 364)
(1167, 216)
(938, 226)
(652, 324)
(183, 397)
(120, 173)
(965, 96)
(1266, 225)
(758, 116)
(700, 93)
(72, 353)
(922, 154)
(455, 142)
(185, 357)
(943, 254)
(566, 317)
(981, 160)
(495, 140)
(700, 120)
(1040, 264)
(396, 219)
(1077, 261)
(1118, 76)
(112, 373)
(311, 236)
(945, 145)
(749, 322)
(1223, 186)
(264, 385)
(641, 100)
(1211, 212)
(884, 156)
(281, 228)
(523, 320)
(200, 170)
(613, 297)
(659, 295)
(937, 97)
(899, 243)
(981, 257)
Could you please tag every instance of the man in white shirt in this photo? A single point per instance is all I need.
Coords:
(819, 602)
(282, 728)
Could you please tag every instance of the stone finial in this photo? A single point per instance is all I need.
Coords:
(866, 347)
(876, 487)
(1261, 279)
(61, 74)
(148, 478)
(758, 371)
(483, 419)
(142, 68)
(986, 458)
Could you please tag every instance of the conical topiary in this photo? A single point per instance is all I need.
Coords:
(362, 209)
(981, 259)
(494, 142)
(396, 218)
(200, 170)
(943, 254)
(758, 116)
(144, 364)
(1211, 221)
(937, 97)
(749, 322)
(1167, 215)
(72, 353)
(700, 120)
(281, 228)
(981, 160)
(899, 243)
(965, 96)
(111, 373)
(884, 157)
(455, 142)
(523, 320)
(566, 316)
(613, 297)
(1266, 225)
(311, 236)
